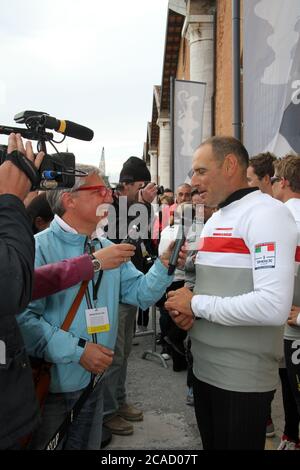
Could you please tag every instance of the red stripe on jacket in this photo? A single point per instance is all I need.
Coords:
(223, 245)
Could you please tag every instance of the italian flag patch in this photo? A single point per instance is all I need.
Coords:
(265, 255)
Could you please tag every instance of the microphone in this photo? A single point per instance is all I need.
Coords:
(186, 222)
(68, 128)
(133, 237)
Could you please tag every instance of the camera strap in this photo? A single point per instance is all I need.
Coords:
(25, 165)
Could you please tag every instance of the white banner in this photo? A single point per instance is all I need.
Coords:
(271, 76)
(188, 121)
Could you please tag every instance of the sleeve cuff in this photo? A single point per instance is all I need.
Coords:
(85, 267)
(298, 319)
(78, 353)
(160, 267)
(195, 306)
(200, 305)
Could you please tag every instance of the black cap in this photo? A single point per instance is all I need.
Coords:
(134, 169)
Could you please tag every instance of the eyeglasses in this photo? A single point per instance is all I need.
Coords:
(102, 190)
(274, 179)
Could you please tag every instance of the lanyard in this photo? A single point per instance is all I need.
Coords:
(90, 250)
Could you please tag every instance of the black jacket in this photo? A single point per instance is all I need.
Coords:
(18, 407)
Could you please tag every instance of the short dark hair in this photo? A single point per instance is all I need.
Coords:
(168, 190)
(289, 169)
(39, 207)
(263, 164)
(224, 145)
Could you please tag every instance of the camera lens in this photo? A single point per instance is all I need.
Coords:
(160, 190)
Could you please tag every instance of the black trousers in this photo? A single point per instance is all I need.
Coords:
(143, 317)
(290, 383)
(230, 420)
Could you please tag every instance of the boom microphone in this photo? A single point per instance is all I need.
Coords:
(67, 128)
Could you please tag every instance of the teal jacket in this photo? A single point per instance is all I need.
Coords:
(40, 322)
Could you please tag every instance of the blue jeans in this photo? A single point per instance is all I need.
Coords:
(84, 433)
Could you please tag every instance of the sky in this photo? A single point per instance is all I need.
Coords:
(93, 62)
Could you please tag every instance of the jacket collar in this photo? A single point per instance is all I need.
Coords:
(66, 227)
(239, 194)
(67, 237)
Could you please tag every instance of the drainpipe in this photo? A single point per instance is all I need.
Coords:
(236, 78)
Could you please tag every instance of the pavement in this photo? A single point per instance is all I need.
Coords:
(169, 424)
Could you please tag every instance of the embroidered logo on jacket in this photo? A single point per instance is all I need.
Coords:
(265, 255)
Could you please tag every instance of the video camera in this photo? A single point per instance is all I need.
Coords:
(57, 170)
(160, 190)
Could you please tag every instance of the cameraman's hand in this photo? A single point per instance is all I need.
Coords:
(113, 256)
(165, 257)
(148, 193)
(96, 358)
(12, 180)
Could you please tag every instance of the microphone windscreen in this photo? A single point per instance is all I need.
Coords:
(78, 132)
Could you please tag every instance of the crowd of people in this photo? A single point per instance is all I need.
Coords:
(230, 314)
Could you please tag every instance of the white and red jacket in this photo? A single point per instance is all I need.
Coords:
(244, 289)
(293, 332)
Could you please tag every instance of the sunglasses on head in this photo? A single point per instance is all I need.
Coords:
(102, 190)
(274, 179)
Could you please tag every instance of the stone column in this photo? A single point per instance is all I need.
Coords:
(153, 165)
(164, 158)
(199, 31)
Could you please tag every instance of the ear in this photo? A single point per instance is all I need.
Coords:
(125, 189)
(68, 201)
(284, 183)
(38, 222)
(41, 224)
(230, 164)
(266, 179)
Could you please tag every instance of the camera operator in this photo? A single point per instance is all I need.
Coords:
(18, 410)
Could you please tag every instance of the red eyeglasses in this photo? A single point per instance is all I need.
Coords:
(102, 190)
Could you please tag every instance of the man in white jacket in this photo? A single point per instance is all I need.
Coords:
(286, 187)
(242, 298)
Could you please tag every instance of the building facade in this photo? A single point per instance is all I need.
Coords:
(198, 47)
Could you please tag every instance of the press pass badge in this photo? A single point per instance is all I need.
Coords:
(265, 255)
(97, 320)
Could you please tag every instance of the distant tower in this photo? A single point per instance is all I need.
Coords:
(102, 162)
(102, 168)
